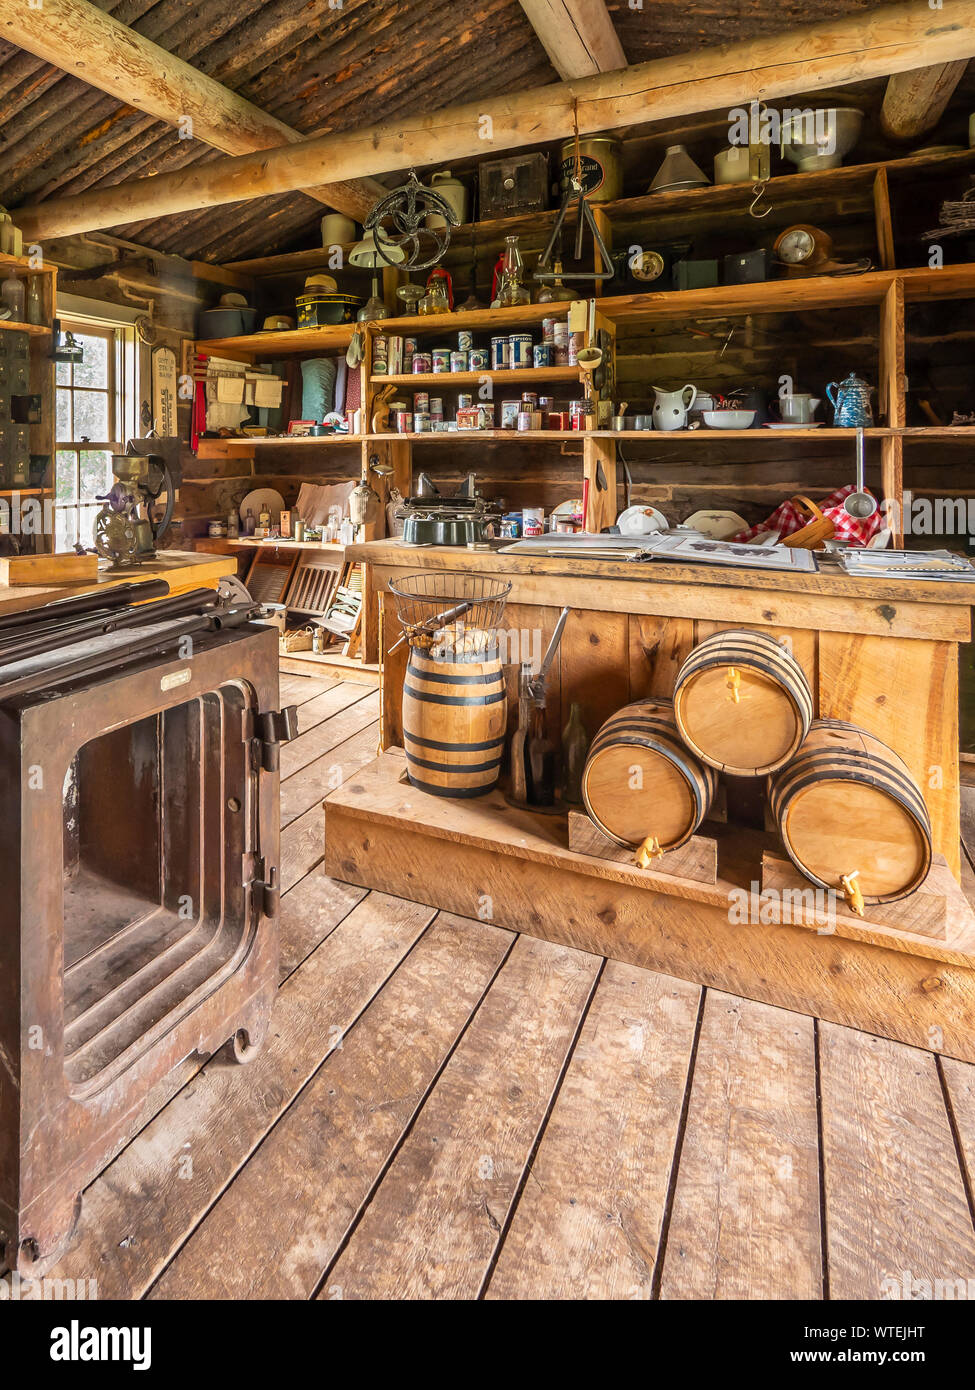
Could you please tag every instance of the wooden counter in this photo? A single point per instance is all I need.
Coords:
(879, 652)
(181, 570)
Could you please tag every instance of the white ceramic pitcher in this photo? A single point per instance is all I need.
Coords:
(670, 407)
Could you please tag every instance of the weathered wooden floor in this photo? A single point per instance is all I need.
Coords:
(444, 1109)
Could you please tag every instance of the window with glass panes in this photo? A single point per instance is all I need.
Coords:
(87, 425)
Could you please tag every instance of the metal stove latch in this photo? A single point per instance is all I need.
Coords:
(274, 728)
(264, 882)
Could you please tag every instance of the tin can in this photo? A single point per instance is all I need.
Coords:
(533, 521)
(403, 420)
(436, 408)
(478, 359)
(421, 422)
(548, 330)
(500, 354)
(511, 525)
(520, 349)
(422, 362)
(510, 410)
(409, 347)
(560, 333)
(543, 354)
(524, 420)
(421, 402)
(575, 343)
(465, 340)
(561, 356)
(458, 361)
(465, 400)
(601, 167)
(441, 359)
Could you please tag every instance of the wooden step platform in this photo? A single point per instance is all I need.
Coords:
(498, 864)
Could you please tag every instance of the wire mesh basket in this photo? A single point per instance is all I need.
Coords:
(464, 603)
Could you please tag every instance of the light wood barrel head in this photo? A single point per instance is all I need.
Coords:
(837, 827)
(633, 792)
(749, 737)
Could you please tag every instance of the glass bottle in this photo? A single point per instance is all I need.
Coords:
(541, 759)
(12, 297)
(435, 300)
(233, 524)
(35, 301)
(575, 746)
(511, 291)
(249, 522)
(556, 292)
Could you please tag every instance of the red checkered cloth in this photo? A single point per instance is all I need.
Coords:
(788, 519)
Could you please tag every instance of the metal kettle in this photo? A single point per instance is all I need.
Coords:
(850, 400)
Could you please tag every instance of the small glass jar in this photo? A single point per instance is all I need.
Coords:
(435, 300)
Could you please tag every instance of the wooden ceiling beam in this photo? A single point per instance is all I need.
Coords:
(802, 59)
(577, 35)
(82, 40)
(915, 101)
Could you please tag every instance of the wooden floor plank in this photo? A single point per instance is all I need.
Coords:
(328, 702)
(281, 1222)
(745, 1220)
(433, 1226)
(302, 846)
(328, 733)
(895, 1199)
(588, 1221)
(960, 1085)
(141, 1209)
(312, 784)
(313, 908)
(295, 690)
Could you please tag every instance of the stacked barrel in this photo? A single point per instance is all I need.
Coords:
(850, 814)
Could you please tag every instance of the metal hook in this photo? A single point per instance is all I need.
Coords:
(759, 195)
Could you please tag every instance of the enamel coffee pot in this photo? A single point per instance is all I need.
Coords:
(850, 399)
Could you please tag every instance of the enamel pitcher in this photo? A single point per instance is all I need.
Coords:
(850, 399)
(670, 407)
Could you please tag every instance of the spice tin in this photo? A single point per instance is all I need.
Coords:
(478, 359)
(404, 421)
(520, 350)
(543, 354)
(510, 410)
(465, 340)
(409, 347)
(458, 361)
(421, 422)
(575, 343)
(422, 362)
(421, 402)
(500, 354)
(548, 330)
(524, 420)
(465, 399)
(441, 359)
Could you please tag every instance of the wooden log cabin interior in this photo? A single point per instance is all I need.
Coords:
(488, 710)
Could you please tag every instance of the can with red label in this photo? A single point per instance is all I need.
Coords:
(403, 420)
(421, 402)
(458, 361)
(421, 362)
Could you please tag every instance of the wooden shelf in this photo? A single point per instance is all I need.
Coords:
(35, 330)
(333, 338)
(487, 436)
(522, 316)
(518, 376)
(25, 491)
(302, 440)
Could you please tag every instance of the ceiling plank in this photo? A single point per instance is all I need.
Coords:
(915, 101)
(577, 35)
(849, 49)
(80, 39)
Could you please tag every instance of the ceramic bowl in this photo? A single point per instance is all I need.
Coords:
(729, 419)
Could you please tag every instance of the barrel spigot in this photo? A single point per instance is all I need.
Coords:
(851, 892)
(648, 852)
(734, 684)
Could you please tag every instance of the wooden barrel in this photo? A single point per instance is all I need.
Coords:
(848, 804)
(742, 703)
(640, 780)
(454, 718)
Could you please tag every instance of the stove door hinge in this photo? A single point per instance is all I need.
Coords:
(264, 881)
(268, 731)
